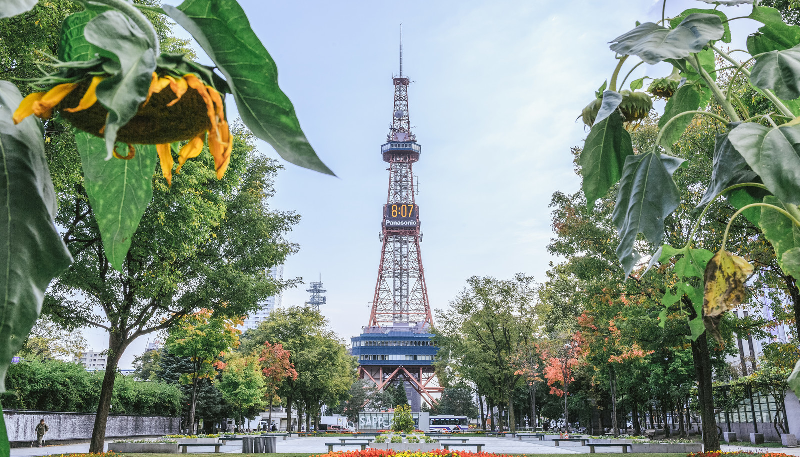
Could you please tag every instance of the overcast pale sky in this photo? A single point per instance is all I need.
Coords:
(497, 87)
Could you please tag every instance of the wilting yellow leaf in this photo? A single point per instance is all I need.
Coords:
(725, 276)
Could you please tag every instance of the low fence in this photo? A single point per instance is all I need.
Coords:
(21, 425)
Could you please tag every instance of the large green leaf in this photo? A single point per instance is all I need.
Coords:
(773, 153)
(783, 234)
(73, 45)
(778, 71)
(122, 94)
(729, 168)
(726, 35)
(119, 192)
(688, 97)
(603, 156)
(223, 31)
(611, 101)
(654, 43)
(647, 195)
(775, 35)
(10, 8)
(739, 198)
(31, 250)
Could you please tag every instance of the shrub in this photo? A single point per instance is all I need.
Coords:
(402, 420)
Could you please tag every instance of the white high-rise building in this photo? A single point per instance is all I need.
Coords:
(270, 304)
(93, 360)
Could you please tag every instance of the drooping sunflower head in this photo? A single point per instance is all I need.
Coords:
(179, 107)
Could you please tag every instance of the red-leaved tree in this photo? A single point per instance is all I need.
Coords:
(276, 367)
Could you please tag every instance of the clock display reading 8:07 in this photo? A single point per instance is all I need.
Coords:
(400, 215)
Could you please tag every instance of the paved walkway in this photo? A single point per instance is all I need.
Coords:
(314, 445)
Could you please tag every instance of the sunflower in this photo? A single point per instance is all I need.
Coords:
(177, 108)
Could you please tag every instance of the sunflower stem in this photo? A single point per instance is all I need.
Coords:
(753, 205)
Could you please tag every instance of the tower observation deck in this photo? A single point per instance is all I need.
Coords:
(396, 345)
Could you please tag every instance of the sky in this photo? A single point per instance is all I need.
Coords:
(496, 90)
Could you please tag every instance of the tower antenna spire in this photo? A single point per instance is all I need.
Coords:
(401, 49)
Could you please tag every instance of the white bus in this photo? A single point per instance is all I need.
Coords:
(446, 423)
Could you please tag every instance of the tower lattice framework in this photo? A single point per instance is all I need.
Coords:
(400, 293)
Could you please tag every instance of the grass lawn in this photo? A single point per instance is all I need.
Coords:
(749, 444)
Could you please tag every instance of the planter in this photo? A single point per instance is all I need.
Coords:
(756, 438)
(423, 447)
(156, 448)
(197, 440)
(729, 437)
(663, 448)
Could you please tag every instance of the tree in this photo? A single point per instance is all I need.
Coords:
(401, 419)
(325, 369)
(242, 386)
(147, 365)
(457, 401)
(276, 367)
(48, 340)
(202, 338)
(204, 243)
(483, 328)
(358, 396)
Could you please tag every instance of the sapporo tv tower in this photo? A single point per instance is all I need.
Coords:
(396, 345)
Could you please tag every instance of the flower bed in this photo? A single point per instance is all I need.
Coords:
(388, 452)
(738, 454)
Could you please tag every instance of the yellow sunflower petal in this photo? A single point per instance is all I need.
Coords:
(226, 155)
(25, 108)
(220, 109)
(165, 156)
(89, 98)
(190, 150)
(155, 86)
(43, 108)
(178, 87)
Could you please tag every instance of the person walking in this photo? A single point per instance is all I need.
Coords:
(41, 429)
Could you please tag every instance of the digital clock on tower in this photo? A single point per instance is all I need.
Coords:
(400, 215)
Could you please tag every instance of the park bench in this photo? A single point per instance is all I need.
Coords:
(284, 435)
(363, 445)
(184, 446)
(453, 440)
(446, 446)
(623, 445)
(225, 439)
(582, 440)
(345, 440)
(528, 435)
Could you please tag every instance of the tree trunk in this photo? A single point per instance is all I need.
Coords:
(483, 415)
(612, 381)
(288, 414)
(566, 412)
(681, 424)
(512, 425)
(533, 406)
(702, 368)
(637, 426)
(193, 404)
(269, 416)
(116, 347)
(490, 414)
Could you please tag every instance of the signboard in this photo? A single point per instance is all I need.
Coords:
(400, 216)
(383, 420)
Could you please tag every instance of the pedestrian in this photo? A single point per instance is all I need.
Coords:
(41, 429)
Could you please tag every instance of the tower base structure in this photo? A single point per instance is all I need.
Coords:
(402, 352)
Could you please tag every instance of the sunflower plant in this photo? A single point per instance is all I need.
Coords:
(136, 110)
(756, 162)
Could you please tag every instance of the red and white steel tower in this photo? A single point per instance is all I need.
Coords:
(396, 345)
(400, 293)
